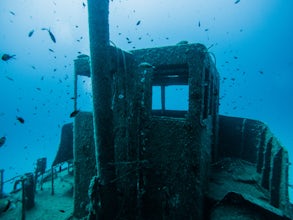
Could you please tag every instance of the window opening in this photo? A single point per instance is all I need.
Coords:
(177, 97)
(170, 90)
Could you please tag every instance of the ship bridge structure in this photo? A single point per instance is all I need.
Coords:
(189, 163)
(137, 158)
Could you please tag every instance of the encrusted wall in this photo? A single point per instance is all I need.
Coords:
(84, 161)
(127, 97)
(252, 141)
(178, 150)
(177, 169)
(162, 163)
(239, 137)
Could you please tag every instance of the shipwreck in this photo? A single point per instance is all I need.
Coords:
(134, 161)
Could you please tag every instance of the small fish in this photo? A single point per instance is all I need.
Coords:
(11, 12)
(51, 50)
(50, 34)
(74, 113)
(138, 23)
(199, 24)
(31, 33)
(9, 78)
(61, 210)
(128, 40)
(237, 1)
(20, 119)
(83, 4)
(2, 141)
(6, 57)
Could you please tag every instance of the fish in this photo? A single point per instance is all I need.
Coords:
(199, 24)
(74, 113)
(9, 78)
(138, 23)
(6, 57)
(11, 12)
(128, 40)
(50, 34)
(31, 33)
(20, 119)
(51, 50)
(237, 1)
(83, 4)
(2, 141)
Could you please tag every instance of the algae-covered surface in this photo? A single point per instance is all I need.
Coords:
(47, 206)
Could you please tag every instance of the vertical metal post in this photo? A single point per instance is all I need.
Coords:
(52, 177)
(163, 98)
(23, 198)
(102, 80)
(75, 92)
(1, 182)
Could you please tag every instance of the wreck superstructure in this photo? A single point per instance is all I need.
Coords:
(137, 161)
(170, 164)
(135, 156)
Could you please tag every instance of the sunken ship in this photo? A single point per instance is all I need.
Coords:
(131, 161)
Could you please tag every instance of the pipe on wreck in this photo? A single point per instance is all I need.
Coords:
(98, 18)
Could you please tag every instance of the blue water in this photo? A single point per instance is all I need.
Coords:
(252, 42)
